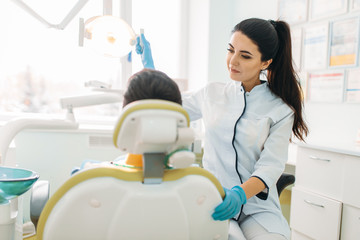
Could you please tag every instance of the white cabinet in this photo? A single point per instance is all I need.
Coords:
(325, 202)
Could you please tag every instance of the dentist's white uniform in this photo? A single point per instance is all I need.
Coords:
(247, 134)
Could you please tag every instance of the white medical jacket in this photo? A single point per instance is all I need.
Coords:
(246, 135)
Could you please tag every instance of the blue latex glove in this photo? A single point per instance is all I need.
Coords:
(145, 51)
(129, 56)
(231, 205)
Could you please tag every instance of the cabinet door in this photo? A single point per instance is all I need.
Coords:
(298, 236)
(320, 171)
(315, 216)
(350, 226)
(351, 194)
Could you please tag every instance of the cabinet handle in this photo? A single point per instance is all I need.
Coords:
(314, 204)
(320, 159)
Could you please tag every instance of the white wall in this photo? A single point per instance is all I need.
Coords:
(224, 15)
(198, 43)
(221, 22)
(265, 9)
(334, 125)
(330, 124)
(210, 25)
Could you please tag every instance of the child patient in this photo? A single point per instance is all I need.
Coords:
(146, 84)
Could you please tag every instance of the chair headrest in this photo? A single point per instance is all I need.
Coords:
(152, 126)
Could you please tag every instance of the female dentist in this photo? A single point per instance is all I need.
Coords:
(248, 125)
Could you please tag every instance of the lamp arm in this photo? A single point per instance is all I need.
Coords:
(29, 10)
(75, 10)
(103, 96)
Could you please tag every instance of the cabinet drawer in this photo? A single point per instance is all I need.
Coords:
(350, 226)
(320, 171)
(315, 216)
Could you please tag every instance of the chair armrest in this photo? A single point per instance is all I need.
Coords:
(285, 180)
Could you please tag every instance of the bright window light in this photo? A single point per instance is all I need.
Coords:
(163, 22)
(39, 65)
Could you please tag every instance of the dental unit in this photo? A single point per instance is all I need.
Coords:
(166, 184)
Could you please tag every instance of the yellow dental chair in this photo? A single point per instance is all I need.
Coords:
(165, 199)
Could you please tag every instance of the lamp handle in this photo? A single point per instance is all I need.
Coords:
(141, 43)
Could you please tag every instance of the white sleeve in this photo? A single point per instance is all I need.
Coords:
(274, 156)
(193, 102)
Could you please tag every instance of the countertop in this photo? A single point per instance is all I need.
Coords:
(349, 149)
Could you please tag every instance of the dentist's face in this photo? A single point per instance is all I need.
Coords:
(244, 61)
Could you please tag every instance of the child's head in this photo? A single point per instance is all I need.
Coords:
(151, 84)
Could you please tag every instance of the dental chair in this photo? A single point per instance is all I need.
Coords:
(165, 199)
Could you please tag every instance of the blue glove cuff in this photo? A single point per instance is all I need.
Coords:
(241, 193)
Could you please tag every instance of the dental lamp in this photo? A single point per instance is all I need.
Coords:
(107, 35)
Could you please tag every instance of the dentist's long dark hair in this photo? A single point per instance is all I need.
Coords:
(274, 42)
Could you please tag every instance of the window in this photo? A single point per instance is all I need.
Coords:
(38, 65)
(164, 23)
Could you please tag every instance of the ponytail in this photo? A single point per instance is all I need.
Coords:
(283, 80)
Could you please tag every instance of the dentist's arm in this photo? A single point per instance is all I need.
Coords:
(253, 186)
(143, 48)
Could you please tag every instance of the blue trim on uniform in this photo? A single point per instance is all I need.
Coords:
(262, 195)
(233, 144)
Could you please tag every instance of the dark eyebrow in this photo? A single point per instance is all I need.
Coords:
(242, 51)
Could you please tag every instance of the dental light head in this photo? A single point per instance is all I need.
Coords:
(107, 35)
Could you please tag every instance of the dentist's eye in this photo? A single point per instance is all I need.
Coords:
(230, 50)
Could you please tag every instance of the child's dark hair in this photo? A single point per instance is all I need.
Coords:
(274, 42)
(151, 84)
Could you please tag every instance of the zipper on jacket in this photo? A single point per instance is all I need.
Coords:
(233, 144)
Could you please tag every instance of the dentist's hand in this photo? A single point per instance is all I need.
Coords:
(145, 51)
(231, 205)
